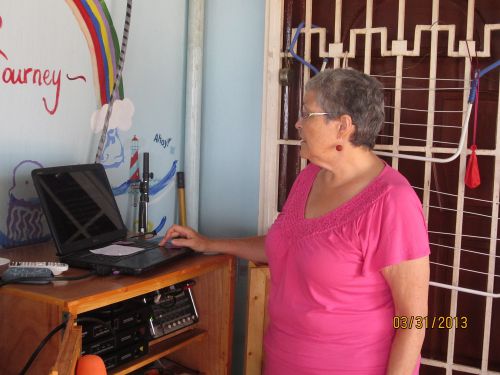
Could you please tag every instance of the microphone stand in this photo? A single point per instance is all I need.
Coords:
(144, 197)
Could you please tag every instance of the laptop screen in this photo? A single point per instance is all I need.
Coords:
(79, 205)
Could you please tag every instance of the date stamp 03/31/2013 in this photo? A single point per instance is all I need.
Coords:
(439, 322)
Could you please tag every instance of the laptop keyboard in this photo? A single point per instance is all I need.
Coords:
(105, 258)
(145, 244)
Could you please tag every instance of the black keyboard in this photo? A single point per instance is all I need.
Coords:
(105, 258)
(145, 244)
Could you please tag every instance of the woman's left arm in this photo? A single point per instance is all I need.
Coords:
(409, 283)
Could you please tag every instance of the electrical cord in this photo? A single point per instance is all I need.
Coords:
(41, 345)
(61, 326)
(39, 280)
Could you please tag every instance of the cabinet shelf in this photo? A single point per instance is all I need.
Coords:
(205, 347)
(162, 349)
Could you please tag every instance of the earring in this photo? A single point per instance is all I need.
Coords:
(338, 147)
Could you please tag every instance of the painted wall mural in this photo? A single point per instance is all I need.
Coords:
(97, 26)
(24, 216)
(54, 92)
(32, 76)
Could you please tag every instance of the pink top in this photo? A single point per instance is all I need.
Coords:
(330, 309)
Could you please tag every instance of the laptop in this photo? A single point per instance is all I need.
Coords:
(82, 215)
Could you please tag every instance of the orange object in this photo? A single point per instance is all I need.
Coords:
(90, 364)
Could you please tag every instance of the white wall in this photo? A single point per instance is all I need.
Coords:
(31, 36)
(46, 35)
(154, 78)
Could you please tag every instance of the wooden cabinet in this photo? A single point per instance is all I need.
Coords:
(258, 287)
(29, 312)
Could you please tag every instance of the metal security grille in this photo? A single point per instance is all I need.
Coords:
(425, 53)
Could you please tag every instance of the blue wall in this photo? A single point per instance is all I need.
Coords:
(231, 117)
(231, 121)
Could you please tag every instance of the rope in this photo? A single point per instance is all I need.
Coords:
(464, 250)
(419, 139)
(455, 195)
(116, 85)
(462, 269)
(424, 125)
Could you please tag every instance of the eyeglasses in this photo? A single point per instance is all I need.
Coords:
(305, 115)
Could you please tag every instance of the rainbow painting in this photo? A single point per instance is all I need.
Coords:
(97, 26)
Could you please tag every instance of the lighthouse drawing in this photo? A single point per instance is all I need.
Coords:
(134, 164)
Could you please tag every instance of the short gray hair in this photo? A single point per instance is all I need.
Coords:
(350, 92)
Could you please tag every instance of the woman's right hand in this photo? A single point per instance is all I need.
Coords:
(186, 236)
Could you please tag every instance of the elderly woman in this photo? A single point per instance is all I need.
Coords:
(349, 251)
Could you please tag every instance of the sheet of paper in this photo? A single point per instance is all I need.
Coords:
(117, 250)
